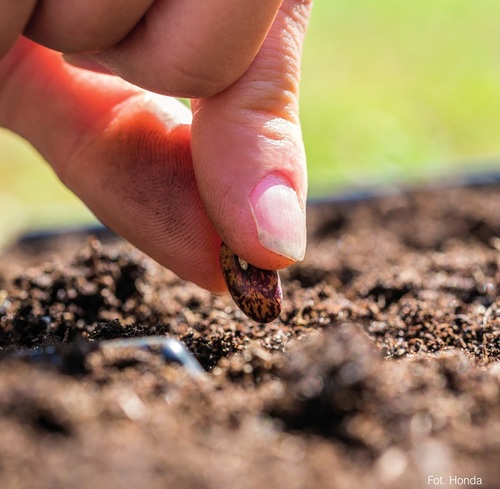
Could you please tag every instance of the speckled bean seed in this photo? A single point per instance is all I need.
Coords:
(257, 292)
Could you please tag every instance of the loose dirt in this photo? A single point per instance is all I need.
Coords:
(382, 371)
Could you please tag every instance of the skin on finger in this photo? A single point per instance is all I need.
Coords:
(247, 139)
(188, 48)
(14, 16)
(75, 26)
(85, 64)
(124, 152)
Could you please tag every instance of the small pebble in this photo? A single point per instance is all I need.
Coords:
(172, 350)
(64, 356)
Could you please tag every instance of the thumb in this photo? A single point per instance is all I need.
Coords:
(248, 153)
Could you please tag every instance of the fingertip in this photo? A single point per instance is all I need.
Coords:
(253, 187)
(279, 216)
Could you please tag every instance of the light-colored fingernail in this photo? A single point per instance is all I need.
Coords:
(279, 217)
(85, 63)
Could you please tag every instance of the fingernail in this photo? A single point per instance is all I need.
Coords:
(279, 217)
(85, 63)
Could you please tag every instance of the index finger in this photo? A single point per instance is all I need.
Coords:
(188, 48)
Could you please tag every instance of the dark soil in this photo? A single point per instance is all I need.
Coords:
(381, 372)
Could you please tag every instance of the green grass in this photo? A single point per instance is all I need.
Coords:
(394, 90)
(31, 197)
(399, 90)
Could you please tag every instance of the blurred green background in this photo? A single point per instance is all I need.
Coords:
(400, 90)
(392, 91)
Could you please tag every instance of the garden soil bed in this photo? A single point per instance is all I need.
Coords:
(381, 372)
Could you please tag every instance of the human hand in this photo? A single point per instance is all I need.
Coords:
(170, 185)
